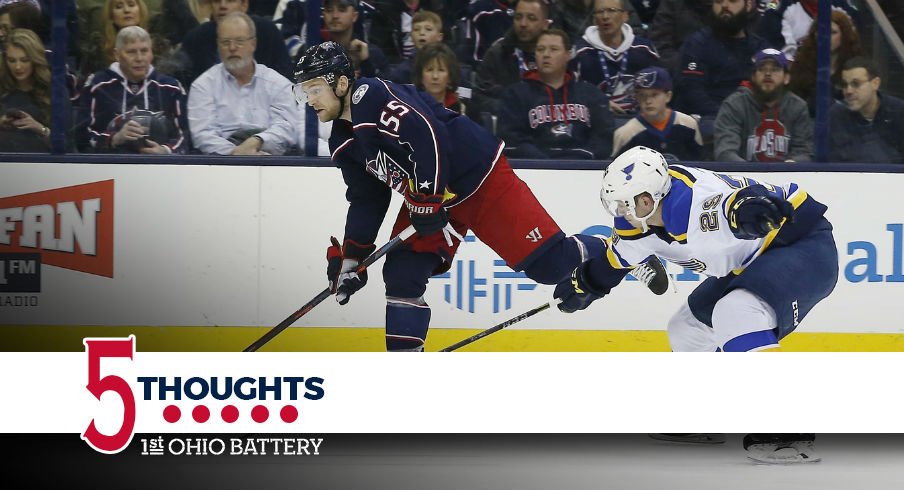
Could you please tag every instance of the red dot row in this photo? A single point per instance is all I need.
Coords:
(230, 414)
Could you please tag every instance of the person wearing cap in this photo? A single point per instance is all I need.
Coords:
(869, 125)
(339, 17)
(764, 122)
(549, 114)
(656, 126)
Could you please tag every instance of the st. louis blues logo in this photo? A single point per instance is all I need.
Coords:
(627, 170)
(388, 171)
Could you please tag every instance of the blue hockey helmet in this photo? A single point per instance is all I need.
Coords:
(328, 60)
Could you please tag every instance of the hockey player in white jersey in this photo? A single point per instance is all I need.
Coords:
(768, 252)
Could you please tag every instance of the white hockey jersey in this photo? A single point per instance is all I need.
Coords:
(696, 233)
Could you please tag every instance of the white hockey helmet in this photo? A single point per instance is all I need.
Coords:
(633, 173)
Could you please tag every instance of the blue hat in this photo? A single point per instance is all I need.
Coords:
(653, 77)
(771, 54)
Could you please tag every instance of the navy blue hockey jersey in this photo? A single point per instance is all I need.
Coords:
(399, 134)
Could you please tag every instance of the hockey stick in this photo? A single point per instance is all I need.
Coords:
(507, 323)
(401, 237)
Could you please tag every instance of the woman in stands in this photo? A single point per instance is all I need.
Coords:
(845, 44)
(116, 14)
(438, 72)
(24, 94)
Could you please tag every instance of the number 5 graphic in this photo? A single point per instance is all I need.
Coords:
(98, 349)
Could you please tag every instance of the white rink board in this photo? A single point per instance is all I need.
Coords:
(245, 246)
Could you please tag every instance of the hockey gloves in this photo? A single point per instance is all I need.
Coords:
(342, 265)
(754, 217)
(576, 292)
(428, 216)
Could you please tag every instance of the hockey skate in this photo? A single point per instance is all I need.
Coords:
(690, 438)
(780, 450)
(653, 274)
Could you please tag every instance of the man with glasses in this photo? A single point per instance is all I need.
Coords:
(765, 122)
(869, 126)
(610, 54)
(200, 44)
(239, 107)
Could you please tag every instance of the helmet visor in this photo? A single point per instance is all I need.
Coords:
(618, 208)
(307, 91)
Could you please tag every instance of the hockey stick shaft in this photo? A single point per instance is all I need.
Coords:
(496, 328)
(273, 332)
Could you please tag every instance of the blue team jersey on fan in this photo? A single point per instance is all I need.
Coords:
(399, 134)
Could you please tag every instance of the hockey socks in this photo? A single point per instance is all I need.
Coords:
(407, 320)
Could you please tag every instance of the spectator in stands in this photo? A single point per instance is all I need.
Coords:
(438, 72)
(201, 42)
(24, 94)
(168, 29)
(340, 17)
(488, 21)
(291, 19)
(239, 107)
(23, 15)
(786, 23)
(390, 29)
(674, 22)
(646, 10)
(765, 122)
(130, 107)
(716, 59)
(510, 57)
(426, 28)
(177, 18)
(845, 44)
(610, 54)
(97, 53)
(92, 19)
(869, 126)
(672, 133)
(550, 114)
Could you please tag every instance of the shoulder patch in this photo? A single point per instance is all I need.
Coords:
(356, 97)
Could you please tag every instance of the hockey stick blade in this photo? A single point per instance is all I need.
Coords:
(273, 332)
(496, 328)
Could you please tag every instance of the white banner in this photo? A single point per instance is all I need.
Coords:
(245, 246)
(446, 393)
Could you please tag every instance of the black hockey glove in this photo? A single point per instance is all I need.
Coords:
(754, 217)
(426, 212)
(342, 265)
(576, 292)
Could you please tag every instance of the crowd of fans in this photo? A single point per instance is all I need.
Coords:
(730, 80)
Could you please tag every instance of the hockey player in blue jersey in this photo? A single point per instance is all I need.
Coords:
(768, 250)
(391, 137)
